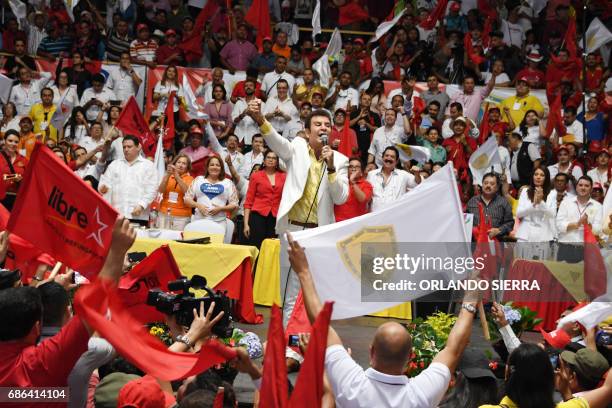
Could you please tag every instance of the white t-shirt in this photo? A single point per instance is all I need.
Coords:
(209, 194)
(164, 90)
(500, 79)
(514, 34)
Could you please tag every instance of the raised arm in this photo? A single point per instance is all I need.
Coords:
(277, 143)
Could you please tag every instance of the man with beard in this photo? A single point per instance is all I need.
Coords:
(360, 193)
(279, 109)
(384, 136)
(239, 91)
(272, 78)
(388, 182)
(245, 127)
(238, 53)
(496, 208)
(364, 122)
(316, 181)
(170, 53)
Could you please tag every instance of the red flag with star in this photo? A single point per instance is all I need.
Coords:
(61, 215)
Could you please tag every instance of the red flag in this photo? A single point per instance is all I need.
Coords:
(483, 248)
(485, 8)
(595, 275)
(131, 339)
(198, 166)
(61, 215)
(169, 125)
(308, 389)
(436, 14)
(155, 271)
(259, 17)
(484, 126)
(555, 121)
(352, 13)
(348, 140)
(131, 122)
(192, 45)
(273, 392)
(570, 36)
(298, 321)
(218, 402)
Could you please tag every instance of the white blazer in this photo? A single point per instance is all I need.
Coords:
(537, 222)
(297, 161)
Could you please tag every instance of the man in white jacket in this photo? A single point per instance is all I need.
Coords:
(317, 178)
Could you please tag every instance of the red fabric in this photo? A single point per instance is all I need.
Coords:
(169, 130)
(20, 165)
(534, 77)
(124, 332)
(550, 288)
(46, 364)
(471, 52)
(570, 37)
(595, 279)
(259, 17)
(238, 91)
(165, 51)
(198, 166)
(262, 197)
(353, 208)
(308, 389)
(436, 14)
(594, 78)
(558, 70)
(192, 45)
(273, 391)
(486, 9)
(218, 402)
(239, 285)
(555, 121)
(484, 127)
(155, 271)
(352, 12)
(131, 122)
(347, 138)
(298, 321)
(483, 250)
(62, 215)
(457, 153)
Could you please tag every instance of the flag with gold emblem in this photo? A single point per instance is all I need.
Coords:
(597, 35)
(483, 159)
(408, 152)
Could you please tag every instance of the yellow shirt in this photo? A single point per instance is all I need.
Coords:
(577, 402)
(41, 118)
(301, 208)
(519, 107)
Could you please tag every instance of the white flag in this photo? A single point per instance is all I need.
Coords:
(316, 20)
(483, 159)
(597, 35)
(321, 66)
(160, 165)
(408, 152)
(6, 84)
(590, 315)
(19, 10)
(433, 209)
(70, 5)
(335, 44)
(386, 26)
(193, 109)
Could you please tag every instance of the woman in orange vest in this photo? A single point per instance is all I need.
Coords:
(174, 214)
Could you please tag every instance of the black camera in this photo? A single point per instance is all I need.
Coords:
(603, 338)
(181, 305)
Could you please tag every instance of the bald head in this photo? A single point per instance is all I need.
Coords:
(390, 348)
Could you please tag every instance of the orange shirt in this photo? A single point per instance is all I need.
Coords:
(27, 143)
(174, 197)
(284, 51)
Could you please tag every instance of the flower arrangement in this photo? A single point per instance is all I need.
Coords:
(520, 318)
(428, 339)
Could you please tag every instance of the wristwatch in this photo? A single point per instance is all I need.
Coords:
(185, 340)
(469, 307)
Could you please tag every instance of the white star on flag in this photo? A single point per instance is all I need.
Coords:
(97, 235)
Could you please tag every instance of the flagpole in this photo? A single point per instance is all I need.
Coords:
(584, 55)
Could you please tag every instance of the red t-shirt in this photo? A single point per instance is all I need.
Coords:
(353, 208)
(46, 364)
(238, 91)
(19, 165)
(456, 152)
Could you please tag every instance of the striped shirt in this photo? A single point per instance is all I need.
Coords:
(35, 36)
(55, 46)
(145, 51)
(115, 45)
(498, 210)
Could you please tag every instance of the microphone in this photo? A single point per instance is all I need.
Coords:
(324, 139)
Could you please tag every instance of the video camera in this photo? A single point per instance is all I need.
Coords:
(182, 305)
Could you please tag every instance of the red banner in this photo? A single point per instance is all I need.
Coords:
(131, 122)
(60, 214)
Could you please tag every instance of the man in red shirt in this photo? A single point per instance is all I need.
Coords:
(336, 138)
(239, 92)
(459, 147)
(360, 193)
(594, 74)
(170, 53)
(26, 364)
(532, 73)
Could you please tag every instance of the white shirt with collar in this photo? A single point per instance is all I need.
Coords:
(293, 128)
(237, 157)
(398, 183)
(570, 211)
(121, 83)
(383, 138)
(249, 161)
(576, 172)
(398, 91)
(353, 387)
(247, 127)
(575, 129)
(287, 107)
(344, 96)
(130, 185)
(268, 84)
(104, 96)
(24, 97)
(599, 177)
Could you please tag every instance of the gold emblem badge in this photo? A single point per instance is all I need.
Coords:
(481, 162)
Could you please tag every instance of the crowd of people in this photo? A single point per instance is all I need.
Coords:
(280, 148)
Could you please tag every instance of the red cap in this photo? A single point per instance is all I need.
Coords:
(141, 26)
(196, 130)
(524, 79)
(267, 39)
(455, 6)
(144, 392)
(557, 338)
(358, 41)
(170, 32)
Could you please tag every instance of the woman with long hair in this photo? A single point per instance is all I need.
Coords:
(377, 91)
(536, 217)
(64, 96)
(212, 195)
(77, 74)
(220, 112)
(12, 168)
(262, 200)
(532, 128)
(168, 83)
(77, 128)
(174, 214)
(530, 383)
(10, 119)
